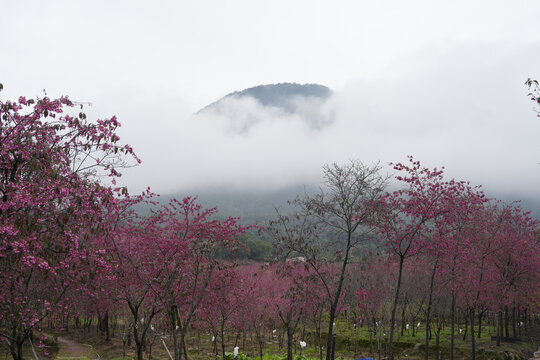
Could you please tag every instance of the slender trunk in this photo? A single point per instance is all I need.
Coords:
(480, 315)
(473, 344)
(290, 333)
(174, 332)
(466, 323)
(371, 333)
(335, 301)
(184, 346)
(394, 307)
(499, 328)
(428, 311)
(355, 340)
(452, 324)
(506, 328)
(333, 352)
(139, 352)
(438, 335)
(106, 324)
(16, 348)
(180, 347)
(403, 309)
(320, 341)
(514, 321)
(330, 332)
(139, 341)
(519, 319)
(222, 341)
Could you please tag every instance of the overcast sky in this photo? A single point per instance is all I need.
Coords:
(439, 80)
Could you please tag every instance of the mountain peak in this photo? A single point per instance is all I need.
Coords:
(288, 102)
(280, 95)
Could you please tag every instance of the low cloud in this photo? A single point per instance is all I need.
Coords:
(239, 114)
(463, 107)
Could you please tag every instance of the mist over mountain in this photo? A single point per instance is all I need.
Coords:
(276, 95)
(280, 105)
(258, 206)
(307, 103)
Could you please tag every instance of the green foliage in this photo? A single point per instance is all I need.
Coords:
(230, 356)
(257, 249)
(252, 248)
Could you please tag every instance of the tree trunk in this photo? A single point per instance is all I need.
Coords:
(333, 352)
(290, 333)
(499, 328)
(452, 324)
(514, 321)
(222, 341)
(466, 321)
(180, 347)
(506, 328)
(394, 307)
(172, 314)
(106, 325)
(480, 324)
(319, 336)
(519, 319)
(335, 300)
(15, 348)
(403, 309)
(139, 342)
(438, 335)
(473, 344)
(428, 310)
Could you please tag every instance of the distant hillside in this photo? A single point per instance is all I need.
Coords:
(287, 102)
(277, 95)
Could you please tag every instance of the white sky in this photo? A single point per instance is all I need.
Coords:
(440, 80)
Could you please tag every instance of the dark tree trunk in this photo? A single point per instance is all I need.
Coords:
(172, 314)
(403, 309)
(16, 348)
(514, 321)
(473, 344)
(506, 327)
(333, 347)
(519, 319)
(499, 328)
(394, 307)
(106, 325)
(438, 335)
(466, 320)
(222, 341)
(428, 310)
(335, 300)
(480, 315)
(290, 333)
(319, 336)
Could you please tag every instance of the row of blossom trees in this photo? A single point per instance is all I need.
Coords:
(484, 253)
(72, 246)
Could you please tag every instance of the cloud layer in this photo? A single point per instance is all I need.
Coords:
(450, 106)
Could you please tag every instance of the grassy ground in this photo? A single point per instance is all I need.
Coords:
(77, 344)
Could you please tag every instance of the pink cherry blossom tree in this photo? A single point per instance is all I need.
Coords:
(407, 218)
(52, 205)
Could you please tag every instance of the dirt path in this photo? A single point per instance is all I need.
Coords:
(71, 350)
